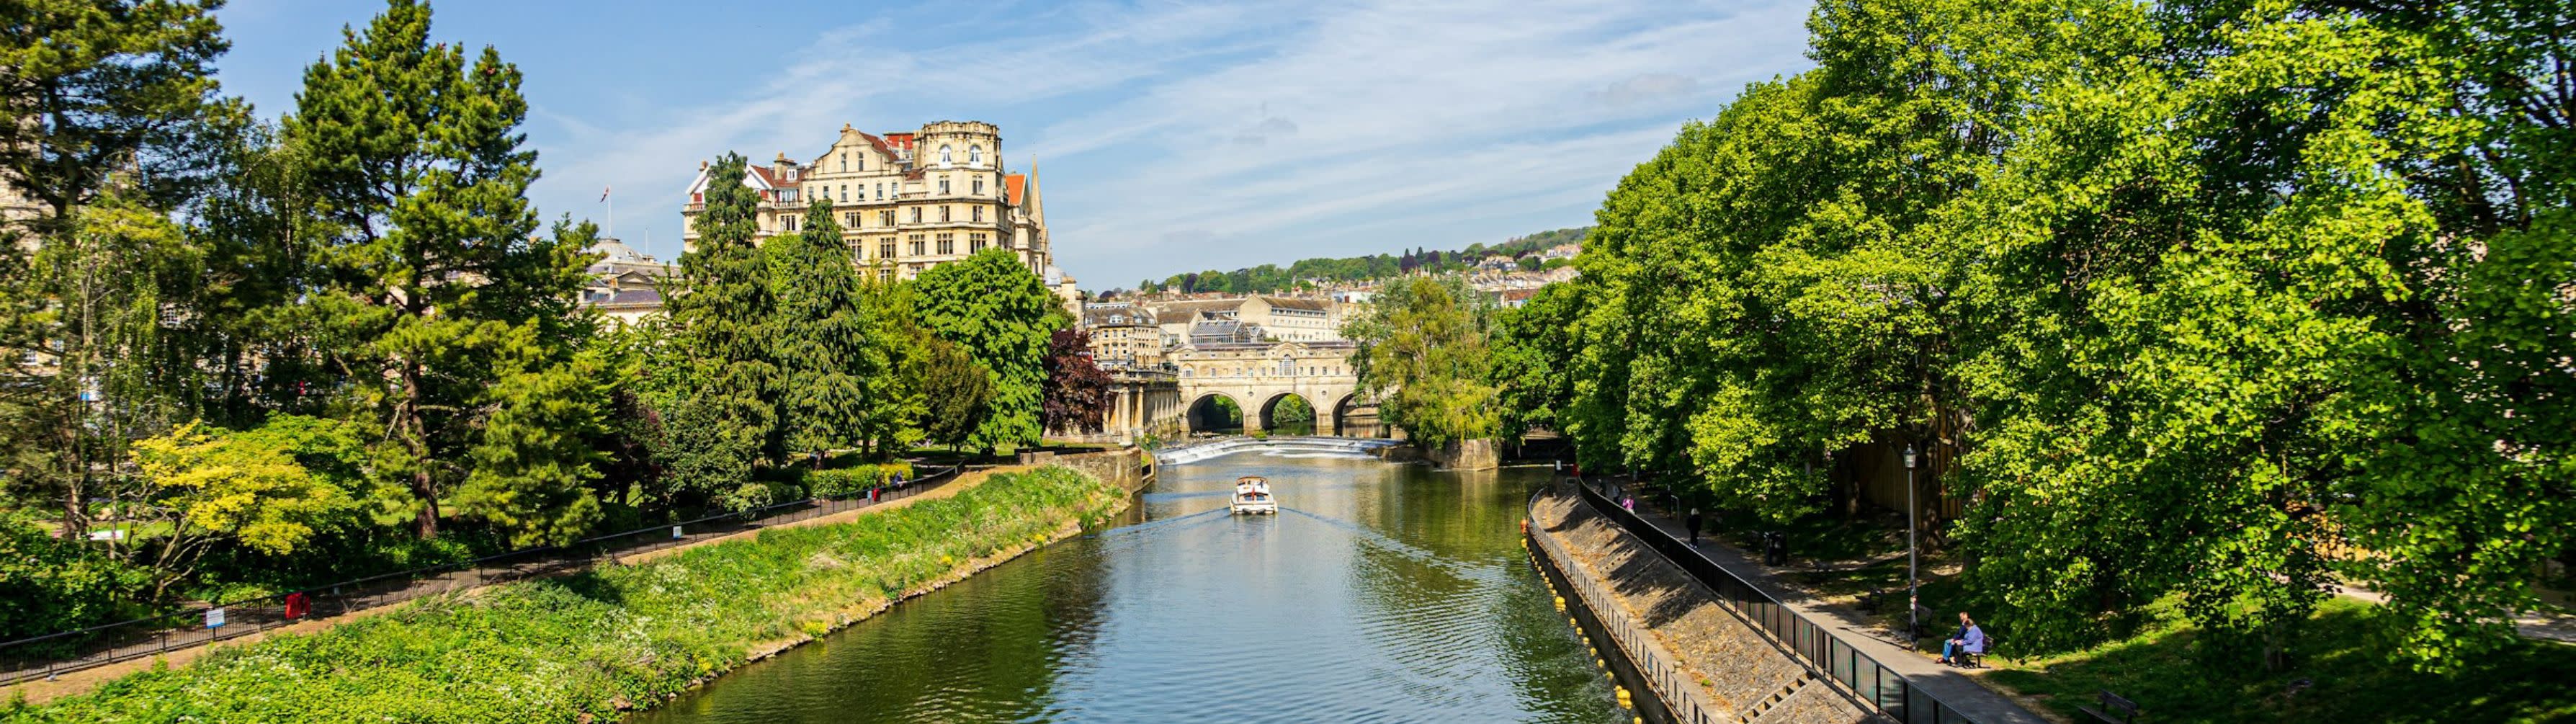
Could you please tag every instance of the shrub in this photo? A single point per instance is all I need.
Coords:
(748, 497)
(52, 585)
(841, 482)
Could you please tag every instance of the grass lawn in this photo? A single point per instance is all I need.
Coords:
(2348, 680)
(582, 647)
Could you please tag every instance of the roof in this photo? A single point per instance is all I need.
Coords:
(1119, 315)
(623, 298)
(1295, 303)
(1011, 186)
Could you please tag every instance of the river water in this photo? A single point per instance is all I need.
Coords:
(1381, 592)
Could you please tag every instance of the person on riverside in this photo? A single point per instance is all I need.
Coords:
(1692, 522)
(1968, 639)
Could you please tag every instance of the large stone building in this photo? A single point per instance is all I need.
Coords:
(907, 201)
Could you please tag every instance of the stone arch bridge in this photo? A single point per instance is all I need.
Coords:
(1256, 377)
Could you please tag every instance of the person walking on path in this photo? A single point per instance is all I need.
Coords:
(1968, 639)
(1692, 523)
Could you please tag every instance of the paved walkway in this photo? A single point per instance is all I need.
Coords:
(1949, 684)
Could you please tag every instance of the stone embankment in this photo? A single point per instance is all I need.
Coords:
(1706, 665)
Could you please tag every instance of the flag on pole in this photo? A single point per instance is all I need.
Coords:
(603, 192)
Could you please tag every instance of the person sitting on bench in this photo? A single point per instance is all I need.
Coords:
(1969, 639)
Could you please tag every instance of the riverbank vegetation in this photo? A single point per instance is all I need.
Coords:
(248, 357)
(587, 645)
(2202, 305)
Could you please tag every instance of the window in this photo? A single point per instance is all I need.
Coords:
(885, 248)
(850, 219)
(886, 274)
(863, 162)
(885, 218)
(979, 185)
(919, 247)
(845, 192)
(947, 243)
(943, 213)
(974, 243)
(845, 162)
(943, 185)
(979, 213)
(787, 223)
(943, 154)
(916, 214)
(881, 191)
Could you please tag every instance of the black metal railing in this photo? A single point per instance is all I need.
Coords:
(40, 657)
(1817, 647)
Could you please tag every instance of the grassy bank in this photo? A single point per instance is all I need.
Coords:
(2346, 679)
(556, 649)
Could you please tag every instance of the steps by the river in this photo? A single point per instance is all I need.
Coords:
(1220, 447)
(1744, 678)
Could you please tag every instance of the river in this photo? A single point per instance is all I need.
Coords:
(1381, 592)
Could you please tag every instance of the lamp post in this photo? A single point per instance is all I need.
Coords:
(1913, 589)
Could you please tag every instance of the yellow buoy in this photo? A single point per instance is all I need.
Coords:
(1560, 603)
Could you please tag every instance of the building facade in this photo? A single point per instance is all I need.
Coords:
(625, 285)
(906, 201)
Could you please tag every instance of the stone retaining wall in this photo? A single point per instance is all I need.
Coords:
(1707, 666)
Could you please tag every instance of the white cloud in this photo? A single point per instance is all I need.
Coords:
(1179, 136)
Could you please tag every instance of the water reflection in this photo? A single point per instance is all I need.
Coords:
(1380, 593)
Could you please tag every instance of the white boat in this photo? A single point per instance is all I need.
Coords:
(1252, 496)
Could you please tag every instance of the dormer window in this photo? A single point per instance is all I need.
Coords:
(975, 155)
(943, 154)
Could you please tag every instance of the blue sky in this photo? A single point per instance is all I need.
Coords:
(1170, 136)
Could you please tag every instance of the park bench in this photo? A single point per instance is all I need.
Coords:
(2113, 702)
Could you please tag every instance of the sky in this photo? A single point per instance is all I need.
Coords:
(1170, 137)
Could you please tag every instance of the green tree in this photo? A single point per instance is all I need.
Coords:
(414, 158)
(1534, 350)
(893, 406)
(1423, 355)
(958, 390)
(820, 336)
(110, 107)
(719, 316)
(212, 486)
(1000, 312)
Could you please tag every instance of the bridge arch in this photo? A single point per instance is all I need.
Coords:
(1276, 417)
(1351, 417)
(1208, 413)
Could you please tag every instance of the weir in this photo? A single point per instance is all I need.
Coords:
(1185, 454)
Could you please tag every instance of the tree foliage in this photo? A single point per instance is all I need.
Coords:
(1077, 391)
(1000, 312)
(1423, 355)
(820, 334)
(958, 391)
(431, 282)
(2188, 301)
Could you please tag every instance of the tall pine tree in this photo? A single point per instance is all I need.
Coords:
(819, 332)
(720, 317)
(414, 156)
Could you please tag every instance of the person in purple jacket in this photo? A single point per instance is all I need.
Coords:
(1969, 639)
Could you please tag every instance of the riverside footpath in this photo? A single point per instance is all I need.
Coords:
(1850, 630)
